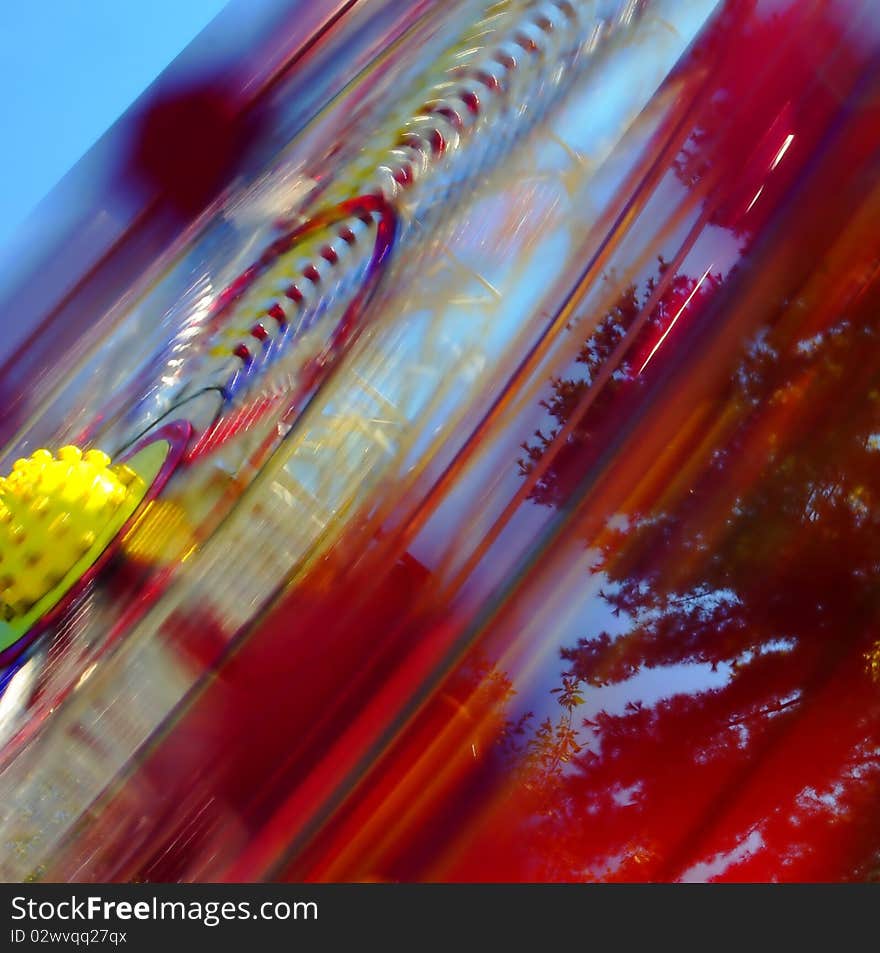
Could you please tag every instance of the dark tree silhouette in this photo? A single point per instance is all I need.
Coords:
(763, 570)
(581, 446)
(766, 569)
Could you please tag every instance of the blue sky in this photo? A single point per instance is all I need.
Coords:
(68, 69)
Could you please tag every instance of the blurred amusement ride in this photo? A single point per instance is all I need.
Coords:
(442, 443)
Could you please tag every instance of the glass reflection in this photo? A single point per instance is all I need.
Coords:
(684, 685)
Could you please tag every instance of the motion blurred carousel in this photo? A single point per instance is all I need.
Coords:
(356, 455)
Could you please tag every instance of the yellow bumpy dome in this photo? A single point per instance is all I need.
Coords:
(53, 511)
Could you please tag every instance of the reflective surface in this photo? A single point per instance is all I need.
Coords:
(542, 547)
(681, 681)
